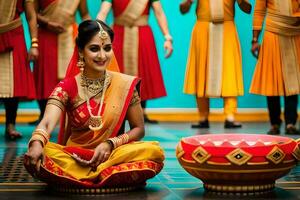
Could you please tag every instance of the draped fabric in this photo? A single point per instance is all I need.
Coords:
(135, 48)
(277, 71)
(55, 49)
(210, 34)
(15, 75)
(145, 159)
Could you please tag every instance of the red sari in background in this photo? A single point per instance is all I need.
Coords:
(148, 69)
(50, 67)
(16, 79)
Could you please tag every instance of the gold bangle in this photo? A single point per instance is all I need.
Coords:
(42, 132)
(35, 45)
(34, 40)
(38, 138)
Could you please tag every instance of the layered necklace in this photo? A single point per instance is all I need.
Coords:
(94, 86)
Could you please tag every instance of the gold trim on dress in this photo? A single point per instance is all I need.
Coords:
(288, 49)
(131, 19)
(7, 10)
(215, 62)
(7, 75)
(63, 12)
(132, 12)
(130, 50)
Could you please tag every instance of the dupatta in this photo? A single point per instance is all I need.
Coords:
(72, 71)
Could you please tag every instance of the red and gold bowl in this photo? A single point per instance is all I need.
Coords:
(238, 162)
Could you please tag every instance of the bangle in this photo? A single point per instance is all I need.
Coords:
(254, 40)
(40, 135)
(120, 140)
(110, 143)
(35, 45)
(168, 37)
(34, 40)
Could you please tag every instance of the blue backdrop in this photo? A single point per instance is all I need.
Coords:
(174, 68)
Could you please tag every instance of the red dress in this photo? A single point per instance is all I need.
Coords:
(13, 40)
(152, 85)
(46, 69)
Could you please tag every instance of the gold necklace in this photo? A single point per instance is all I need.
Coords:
(96, 121)
(94, 86)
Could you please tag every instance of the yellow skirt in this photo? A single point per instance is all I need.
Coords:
(268, 77)
(143, 159)
(197, 64)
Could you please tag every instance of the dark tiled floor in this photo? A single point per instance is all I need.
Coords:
(172, 183)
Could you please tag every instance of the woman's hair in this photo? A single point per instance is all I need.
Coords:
(88, 29)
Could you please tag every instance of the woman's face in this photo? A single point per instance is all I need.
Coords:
(97, 54)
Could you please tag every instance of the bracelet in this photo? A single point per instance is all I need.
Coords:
(110, 143)
(39, 138)
(34, 40)
(40, 135)
(35, 45)
(120, 140)
(254, 40)
(168, 37)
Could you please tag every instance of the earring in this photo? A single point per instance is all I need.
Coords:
(81, 63)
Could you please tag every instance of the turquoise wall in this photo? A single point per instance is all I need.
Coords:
(174, 68)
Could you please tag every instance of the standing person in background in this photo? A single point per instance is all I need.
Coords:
(134, 43)
(214, 66)
(277, 72)
(16, 79)
(57, 28)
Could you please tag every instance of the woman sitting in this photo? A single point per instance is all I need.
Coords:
(94, 150)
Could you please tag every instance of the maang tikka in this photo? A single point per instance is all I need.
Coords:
(102, 33)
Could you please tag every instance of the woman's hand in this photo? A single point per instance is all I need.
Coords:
(34, 157)
(101, 154)
(255, 49)
(168, 46)
(55, 27)
(33, 54)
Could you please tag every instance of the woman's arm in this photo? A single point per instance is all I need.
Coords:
(83, 10)
(35, 150)
(163, 24)
(104, 10)
(32, 23)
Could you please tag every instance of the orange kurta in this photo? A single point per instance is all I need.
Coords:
(196, 80)
(268, 77)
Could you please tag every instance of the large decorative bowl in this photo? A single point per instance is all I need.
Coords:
(238, 162)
